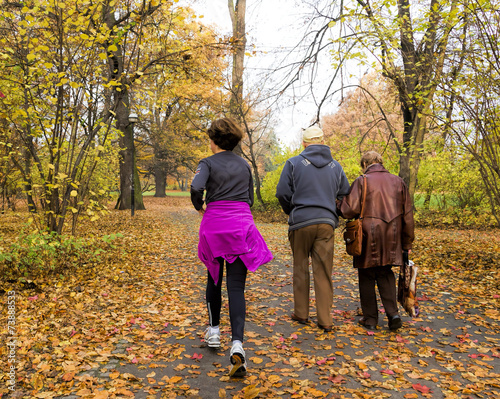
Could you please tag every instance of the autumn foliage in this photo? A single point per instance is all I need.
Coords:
(131, 322)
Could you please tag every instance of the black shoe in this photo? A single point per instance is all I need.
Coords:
(298, 319)
(362, 322)
(326, 329)
(395, 322)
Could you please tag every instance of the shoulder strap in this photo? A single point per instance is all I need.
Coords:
(365, 188)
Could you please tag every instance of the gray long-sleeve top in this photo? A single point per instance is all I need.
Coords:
(225, 176)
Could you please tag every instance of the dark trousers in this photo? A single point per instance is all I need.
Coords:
(386, 283)
(235, 281)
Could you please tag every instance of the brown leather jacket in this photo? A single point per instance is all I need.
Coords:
(388, 226)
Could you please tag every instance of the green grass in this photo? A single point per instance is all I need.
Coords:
(170, 193)
(177, 193)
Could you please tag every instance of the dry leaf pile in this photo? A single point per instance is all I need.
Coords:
(134, 326)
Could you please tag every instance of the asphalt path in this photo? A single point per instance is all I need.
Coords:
(450, 351)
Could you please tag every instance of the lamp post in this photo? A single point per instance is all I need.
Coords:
(133, 118)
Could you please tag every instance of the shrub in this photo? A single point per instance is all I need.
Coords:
(270, 181)
(39, 253)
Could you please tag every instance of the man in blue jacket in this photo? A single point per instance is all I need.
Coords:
(308, 187)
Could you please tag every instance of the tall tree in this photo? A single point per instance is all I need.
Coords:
(180, 103)
(472, 95)
(71, 73)
(259, 144)
(54, 85)
(237, 13)
(407, 40)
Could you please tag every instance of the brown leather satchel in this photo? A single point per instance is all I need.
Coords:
(353, 233)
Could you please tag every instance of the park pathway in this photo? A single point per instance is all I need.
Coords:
(155, 320)
(452, 350)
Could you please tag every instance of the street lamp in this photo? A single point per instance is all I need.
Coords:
(132, 118)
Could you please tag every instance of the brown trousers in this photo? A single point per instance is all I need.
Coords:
(317, 242)
(386, 283)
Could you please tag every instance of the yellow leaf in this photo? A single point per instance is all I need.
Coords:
(114, 375)
(112, 48)
(222, 393)
(316, 393)
(256, 360)
(125, 392)
(68, 376)
(83, 392)
(251, 392)
(37, 381)
(362, 366)
(31, 56)
(74, 193)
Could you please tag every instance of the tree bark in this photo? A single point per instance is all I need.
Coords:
(237, 14)
(423, 69)
(121, 98)
(160, 182)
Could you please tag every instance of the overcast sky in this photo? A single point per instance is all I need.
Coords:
(273, 29)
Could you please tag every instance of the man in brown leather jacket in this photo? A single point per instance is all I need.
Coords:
(388, 230)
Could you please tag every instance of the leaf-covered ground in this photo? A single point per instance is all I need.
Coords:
(134, 326)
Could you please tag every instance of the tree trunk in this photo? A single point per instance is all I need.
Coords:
(257, 185)
(237, 15)
(413, 137)
(160, 182)
(129, 177)
(28, 182)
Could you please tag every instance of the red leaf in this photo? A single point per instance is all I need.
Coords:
(338, 379)
(399, 338)
(421, 388)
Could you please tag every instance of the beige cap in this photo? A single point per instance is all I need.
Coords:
(312, 134)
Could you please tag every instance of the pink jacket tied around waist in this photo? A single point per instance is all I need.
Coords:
(227, 230)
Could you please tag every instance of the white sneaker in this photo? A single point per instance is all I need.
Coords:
(237, 356)
(212, 338)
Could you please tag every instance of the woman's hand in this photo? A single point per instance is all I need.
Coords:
(201, 211)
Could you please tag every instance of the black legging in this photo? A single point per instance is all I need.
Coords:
(235, 281)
